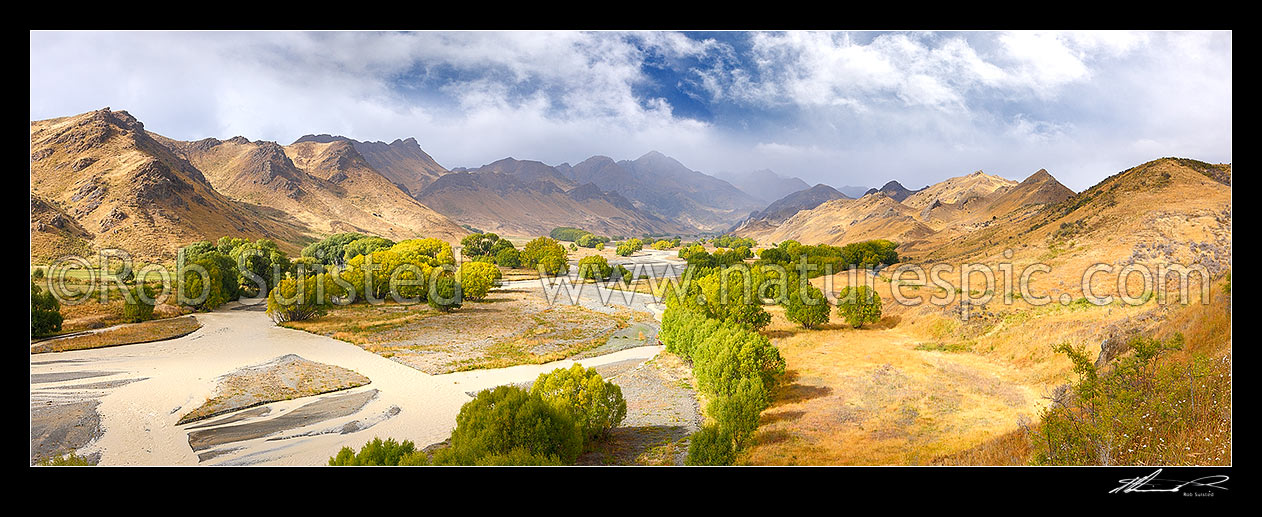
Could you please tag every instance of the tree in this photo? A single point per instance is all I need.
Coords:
(810, 311)
(509, 421)
(45, 312)
(477, 278)
(221, 271)
(364, 246)
(381, 453)
(594, 267)
(595, 405)
(710, 445)
(262, 259)
(445, 294)
(545, 251)
(629, 246)
(480, 244)
(331, 250)
(135, 307)
(859, 305)
(301, 298)
(508, 257)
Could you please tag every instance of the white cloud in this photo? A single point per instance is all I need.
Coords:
(830, 107)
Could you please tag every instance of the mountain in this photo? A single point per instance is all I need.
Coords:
(853, 191)
(1170, 210)
(660, 185)
(764, 185)
(529, 198)
(403, 162)
(844, 220)
(784, 208)
(958, 190)
(326, 185)
(102, 181)
(894, 190)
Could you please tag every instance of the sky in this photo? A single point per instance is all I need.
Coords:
(838, 108)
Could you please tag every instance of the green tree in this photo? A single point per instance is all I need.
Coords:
(364, 246)
(509, 421)
(477, 278)
(381, 453)
(810, 311)
(710, 445)
(859, 305)
(509, 258)
(135, 307)
(445, 294)
(594, 267)
(547, 252)
(480, 244)
(595, 405)
(297, 299)
(45, 312)
(629, 246)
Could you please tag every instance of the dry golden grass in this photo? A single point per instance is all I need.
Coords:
(146, 332)
(510, 327)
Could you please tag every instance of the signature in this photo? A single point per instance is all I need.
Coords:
(1151, 483)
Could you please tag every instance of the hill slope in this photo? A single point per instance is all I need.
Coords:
(101, 174)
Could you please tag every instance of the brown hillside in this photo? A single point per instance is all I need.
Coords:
(126, 190)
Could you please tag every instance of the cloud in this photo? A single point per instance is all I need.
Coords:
(838, 108)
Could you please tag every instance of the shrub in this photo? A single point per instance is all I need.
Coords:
(859, 305)
(379, 453)
(297, 299)
(332, 249)
(600, 246)
(224, 282)
(594, 267)
(509, 257)
(738, 411)
(591, 241)
(135, 308)
(1142, 409)
(554, 265)
(506, 422)
(711, 445)
(45, 312)
(629, 246)
(811, 311)
(546, 252)
(445, 294)
(68, 460)
(477, 278)
(595, 405)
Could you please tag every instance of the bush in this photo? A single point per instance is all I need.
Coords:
(379, 453)
(445, 294)
(332, 249)
(545, 252)
(595, 405)
(859, 305)
(45, 313)
(594, 267)
(508, 422)
(1135, 411)
(480, 244)
(628, 247)
(600, 246)
(591, 241)
(135, 308)
(68, 460)
(477, 278)
(364, 246)
(510, 258)
(809, 312)
(224, 281)
(711, 445)
(297, 299)
(566, 233)
(738, 412)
